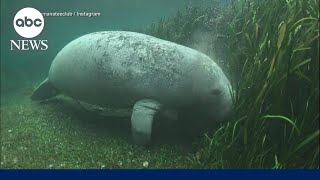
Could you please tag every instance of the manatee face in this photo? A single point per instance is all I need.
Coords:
(218, 105)
(212, 104)
(212, 92)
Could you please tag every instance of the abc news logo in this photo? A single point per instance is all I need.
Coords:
(28, 23)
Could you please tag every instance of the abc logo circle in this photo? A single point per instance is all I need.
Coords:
(28, 22)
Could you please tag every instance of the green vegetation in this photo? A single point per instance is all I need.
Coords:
(270, 49)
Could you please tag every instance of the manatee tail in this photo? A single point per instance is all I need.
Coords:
(44, 91)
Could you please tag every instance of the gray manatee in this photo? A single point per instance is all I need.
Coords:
(133, 70)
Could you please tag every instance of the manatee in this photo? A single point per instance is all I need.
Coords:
(138, 71)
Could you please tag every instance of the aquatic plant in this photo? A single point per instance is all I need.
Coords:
(270, 49)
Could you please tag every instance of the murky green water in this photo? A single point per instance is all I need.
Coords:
(269, 52)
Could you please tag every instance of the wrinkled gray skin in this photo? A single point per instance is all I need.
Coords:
(133, 70)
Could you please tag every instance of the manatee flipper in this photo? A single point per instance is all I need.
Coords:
(142, 118)
(44, 91)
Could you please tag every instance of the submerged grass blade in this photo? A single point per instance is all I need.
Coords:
(283, 118)
(310, 138)
(281, 34)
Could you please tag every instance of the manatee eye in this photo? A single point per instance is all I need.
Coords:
(215, 92)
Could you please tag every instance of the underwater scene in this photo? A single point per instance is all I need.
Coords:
(159, 84)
